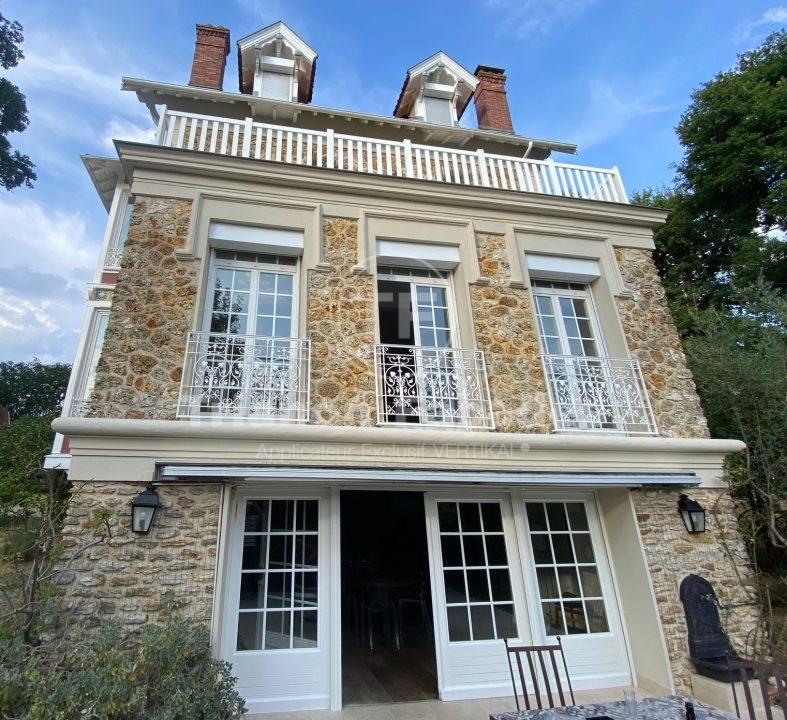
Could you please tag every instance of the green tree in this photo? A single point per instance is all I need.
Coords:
(33, 388)
(739, 362)
(730, 189)
(734, 136)
(15, 168)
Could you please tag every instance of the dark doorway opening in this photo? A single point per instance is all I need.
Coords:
(388, 651)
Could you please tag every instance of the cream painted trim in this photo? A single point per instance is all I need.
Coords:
(180, 171)
(112, 427)
(634, 588)
(603, 290)
(99, 443)
(219, 570)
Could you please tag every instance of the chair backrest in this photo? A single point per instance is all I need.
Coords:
(541, 667)
(768, 677)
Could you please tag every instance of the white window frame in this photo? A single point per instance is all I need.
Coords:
(253, 267)
(89, 359)
(585, 294)
(120, 229)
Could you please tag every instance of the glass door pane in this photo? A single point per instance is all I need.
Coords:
(478, 595)
(277, 605)
(569, 588)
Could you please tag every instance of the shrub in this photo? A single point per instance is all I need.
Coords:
(166, 673)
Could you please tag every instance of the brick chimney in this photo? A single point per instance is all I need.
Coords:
(491, 104)
(210, 57)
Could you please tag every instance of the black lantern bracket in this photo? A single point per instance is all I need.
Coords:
(693, 514)
(143, 510)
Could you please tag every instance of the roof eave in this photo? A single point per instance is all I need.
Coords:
(145, 88)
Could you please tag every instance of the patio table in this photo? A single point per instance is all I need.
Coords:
(667, 707)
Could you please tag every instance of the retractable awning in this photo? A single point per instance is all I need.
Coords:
(386, 475)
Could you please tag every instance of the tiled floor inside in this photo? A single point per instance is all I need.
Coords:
(426, 710)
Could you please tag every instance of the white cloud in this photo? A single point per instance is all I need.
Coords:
(526, 17)
(772, 16)
(611, 109)
(53, 243)
(118, 129)
(48, 257)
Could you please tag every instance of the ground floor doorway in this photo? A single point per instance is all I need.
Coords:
(388, 650)
(336, 596)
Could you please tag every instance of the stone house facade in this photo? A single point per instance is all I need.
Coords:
(396, 383)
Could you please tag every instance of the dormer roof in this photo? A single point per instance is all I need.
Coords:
(277, 40)
(438, 69)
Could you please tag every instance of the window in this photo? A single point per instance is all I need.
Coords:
(248, 362)
(278, 603)
(478, 597)
(438, 110)
(588, 390)
(80, 402)
(417, 368)
(115, 252)
(565, 319)
(276, 85)
(569, 586)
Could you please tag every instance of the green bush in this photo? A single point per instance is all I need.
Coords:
(166, 673)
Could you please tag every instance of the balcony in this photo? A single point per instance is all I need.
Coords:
(245, 377)
(328, 149)
(432, 386)
(596, 394)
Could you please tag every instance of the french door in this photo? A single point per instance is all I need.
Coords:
(276, 628)
(250, 357)
(478, 592)
(524, 566)
(420, 378)
(582, 388)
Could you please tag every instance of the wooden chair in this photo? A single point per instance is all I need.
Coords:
(542, 670)
(751, 671)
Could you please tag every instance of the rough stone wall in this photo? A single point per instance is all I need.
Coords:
(111, 572)
(652, 338)
(139, 373)
(505, 331)
(718, 555)
(341, 323)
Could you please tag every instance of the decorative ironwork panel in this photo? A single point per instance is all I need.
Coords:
(432, 385)
(598, 394)
(245, 376)
(79, 408)
(113, 258)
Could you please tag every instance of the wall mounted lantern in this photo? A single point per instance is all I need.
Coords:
(143, 510)
(693, 514)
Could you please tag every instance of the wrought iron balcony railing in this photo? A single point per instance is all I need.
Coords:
(329, 149)
(432, 386)
(112, 260)
(598, 394)
(79, 408)
(245, 376)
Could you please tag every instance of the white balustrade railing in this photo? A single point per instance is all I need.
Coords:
(328, 149)
(598, 394)
(432, 386)
(245, 377)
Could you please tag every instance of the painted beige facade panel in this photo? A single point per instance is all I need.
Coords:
(653, 340)
(505, 330)
(717, 555)
(138, 375)
(139, 579)
(341, 324)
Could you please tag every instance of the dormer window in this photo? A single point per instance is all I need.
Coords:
(436, 90)
(276, 64)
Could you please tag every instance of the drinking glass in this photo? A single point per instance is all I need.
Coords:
(630, 698)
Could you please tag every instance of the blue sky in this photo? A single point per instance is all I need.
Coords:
(612, 76)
